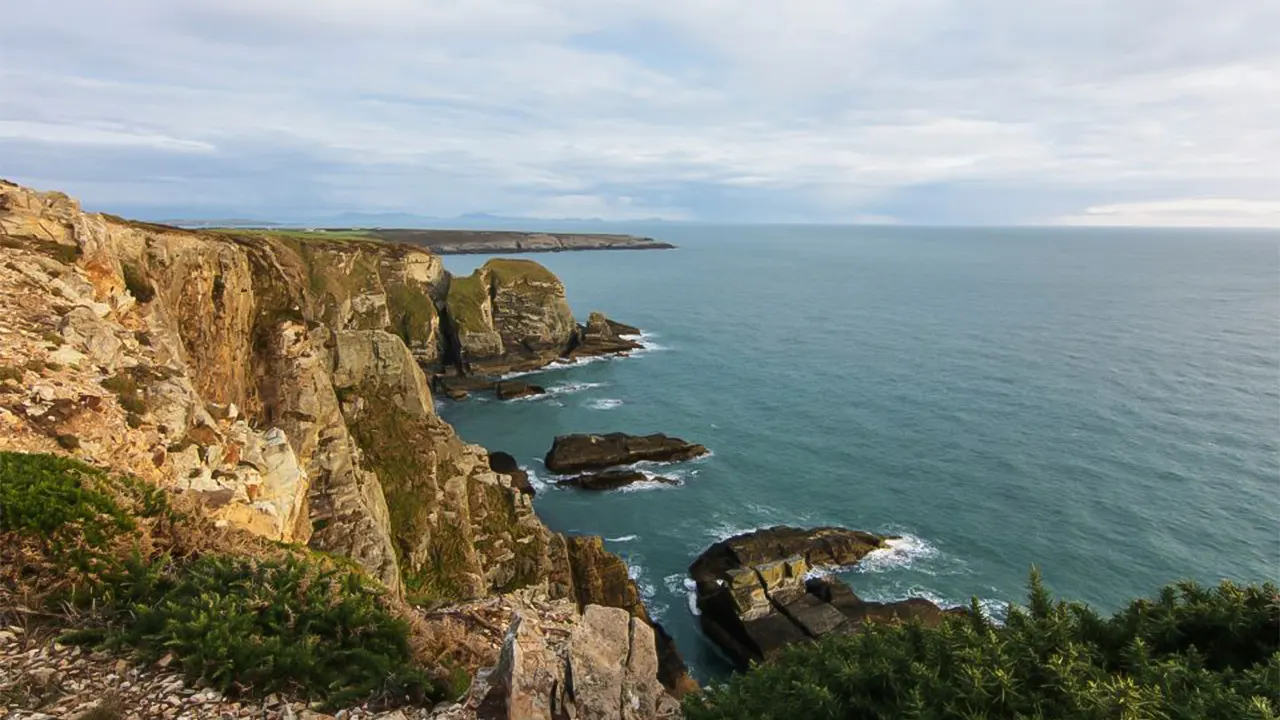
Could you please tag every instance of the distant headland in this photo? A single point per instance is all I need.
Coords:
(473, 242)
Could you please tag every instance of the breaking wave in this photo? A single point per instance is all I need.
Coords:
(604, 404)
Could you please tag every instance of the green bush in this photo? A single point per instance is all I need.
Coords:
(288, 621)
(246, 625)
(1190, 653)
(58, 500)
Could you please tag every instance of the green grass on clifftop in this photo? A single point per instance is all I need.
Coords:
(467, 296)
(115, 566)
(517, 269)
(1188, 654)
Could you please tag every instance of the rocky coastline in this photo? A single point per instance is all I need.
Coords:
(284, 387)
(491, 242)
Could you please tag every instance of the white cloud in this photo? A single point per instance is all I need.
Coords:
(88, 135)
(833, 108)
(1189, 212)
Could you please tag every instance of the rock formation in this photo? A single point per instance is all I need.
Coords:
(755, 596)
(509, 315)
(578, 453)
(602, 336)
(553, 665)
(281, 383)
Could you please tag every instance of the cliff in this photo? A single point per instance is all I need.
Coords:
(282, 385)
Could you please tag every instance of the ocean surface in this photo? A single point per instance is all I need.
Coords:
(1104, 404)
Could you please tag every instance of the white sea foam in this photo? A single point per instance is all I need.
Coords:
(901, 552)
(536, 482)
(681, 584)
(604, 404)
(624, 538)
(652, 483)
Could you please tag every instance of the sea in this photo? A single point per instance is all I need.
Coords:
(1102, 404)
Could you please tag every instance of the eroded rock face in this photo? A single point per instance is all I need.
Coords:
(576, 453)
(756, 597)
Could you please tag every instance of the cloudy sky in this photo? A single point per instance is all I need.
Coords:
(911, 111)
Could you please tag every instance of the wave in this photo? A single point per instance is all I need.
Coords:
(624, 538)
(648, 592)
(902, 552)
(604, 404)
(993, 609)
(652, 483)
(680, 584)
(536, 482)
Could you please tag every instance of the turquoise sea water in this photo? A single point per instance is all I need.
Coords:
(1102, 403)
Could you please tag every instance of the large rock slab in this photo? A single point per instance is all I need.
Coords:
(578, 453)
(756, 595)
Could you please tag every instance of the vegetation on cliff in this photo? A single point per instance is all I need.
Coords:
(109, 561)
(1189, 653)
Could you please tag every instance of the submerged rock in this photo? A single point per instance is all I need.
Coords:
(612, 480)
(513, 389)
(576, 453)
(754, 597)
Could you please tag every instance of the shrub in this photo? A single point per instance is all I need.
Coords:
(247, 625)
(1190, 653)
(285, 620)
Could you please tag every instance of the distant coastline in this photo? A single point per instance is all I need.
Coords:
(464, 242)
(473, 242)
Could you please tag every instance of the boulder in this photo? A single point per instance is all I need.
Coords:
(513, 389)
(755, 598)
(577, 453)
(599, 665)
(612, 480)
(506, 464)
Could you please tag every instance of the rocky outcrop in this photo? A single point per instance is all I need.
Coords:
(602, 336)
(756, 596)
(507, 316)
(597, 665)
(578, 453)
(612, 480)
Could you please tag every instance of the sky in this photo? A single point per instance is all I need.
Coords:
(1056, 112)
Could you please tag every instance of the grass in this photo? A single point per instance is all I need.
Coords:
(124, 570)
(413, 314)
(466, 300)
(396, 445)
(516, 269)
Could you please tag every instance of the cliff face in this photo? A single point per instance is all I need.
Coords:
(282, 383)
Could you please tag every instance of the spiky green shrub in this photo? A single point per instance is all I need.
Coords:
(1190, 653)
(246, 625)
(289, 621)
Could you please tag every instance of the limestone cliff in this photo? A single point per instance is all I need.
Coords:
(284, 383)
